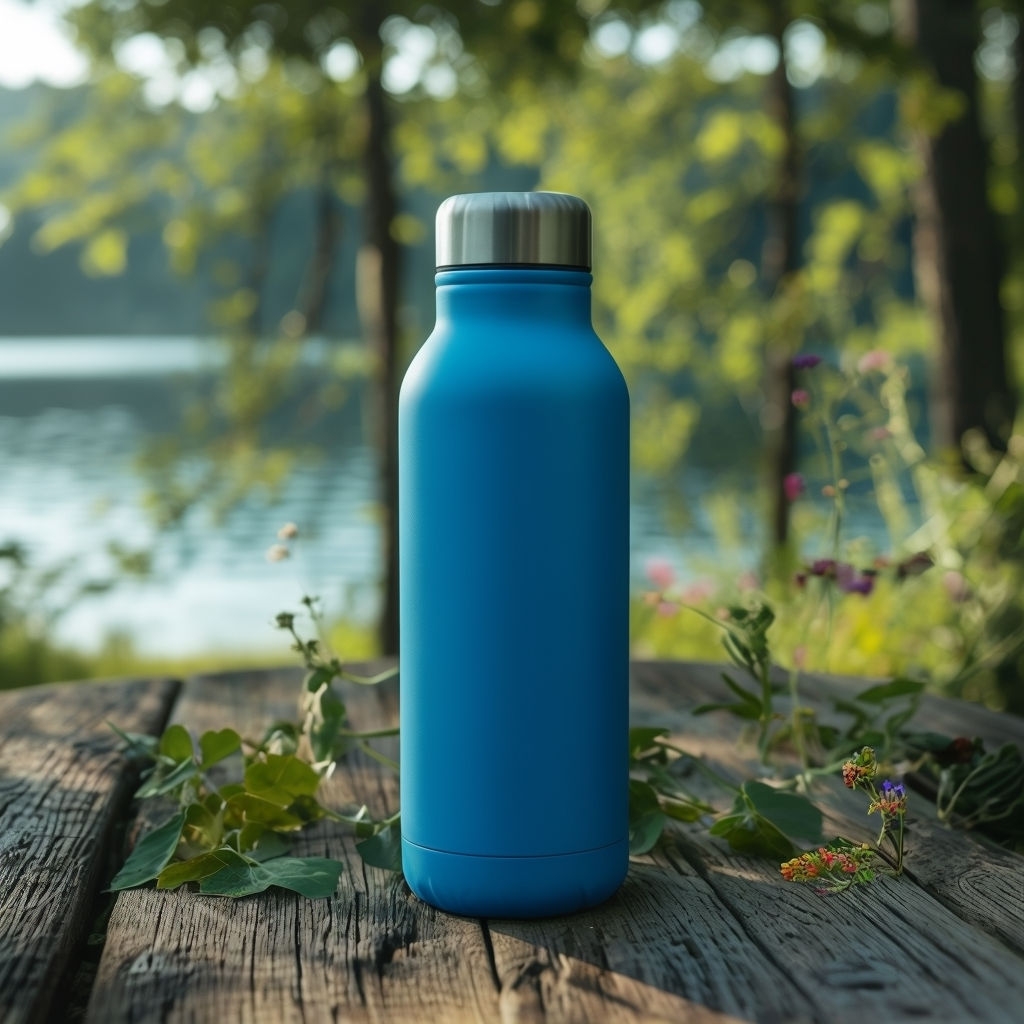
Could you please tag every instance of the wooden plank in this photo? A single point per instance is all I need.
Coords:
(888, 951)
(372, 952)
(63, 786)
(664, 948)
(695, 934)
(376, 953)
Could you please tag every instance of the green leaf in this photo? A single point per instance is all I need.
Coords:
(328, 719)
(176, 743)
(749, 833)
(645, 831)
(203, 830)
(683, 810)
(136, 744)
(281, 738)
(748, 711)
(151, 854)
(308, 809)
(745, 695)
(642, 738)
(215, 746)
(256, 809)
(163, 781)
(646, 818)
(314, 877)
(763, 818)
(384, 849)
(280, 779)
(192, 870)
(261, 843)
(928, 742)
(318, 677)
(887, 691)
(791, 813)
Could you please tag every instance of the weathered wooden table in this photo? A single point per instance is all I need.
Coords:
(697, 933)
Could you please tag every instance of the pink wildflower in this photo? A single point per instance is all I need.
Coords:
(877, 359)
(956, 586)
(801, 398)
(748, 580)
(660, 573)
(793, 486)
(698, 592)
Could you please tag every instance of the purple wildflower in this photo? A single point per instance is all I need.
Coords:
(806, 361)
(892, 799)
(859, 585)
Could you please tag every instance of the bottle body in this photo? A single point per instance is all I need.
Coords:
(513, 536)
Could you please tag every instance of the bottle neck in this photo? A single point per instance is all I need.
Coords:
(543, 294)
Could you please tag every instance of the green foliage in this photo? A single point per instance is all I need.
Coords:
(938, 602)
(384, 848)
(745, 638)
(34, 599)
(984, 792)
(150, 855)
(231, 838)
(762, 820)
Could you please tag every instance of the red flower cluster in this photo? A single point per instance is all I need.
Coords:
(861, 768)
(826, 863)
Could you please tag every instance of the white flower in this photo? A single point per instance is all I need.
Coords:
(277, 553)
(288, 532)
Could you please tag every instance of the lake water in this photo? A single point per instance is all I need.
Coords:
(74, 414)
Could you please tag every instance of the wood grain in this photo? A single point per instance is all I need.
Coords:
(62, 787)
(372, 952)
(695, 934)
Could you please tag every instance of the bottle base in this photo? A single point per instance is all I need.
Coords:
(484, 886)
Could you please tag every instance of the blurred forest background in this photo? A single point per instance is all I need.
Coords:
(809, 262)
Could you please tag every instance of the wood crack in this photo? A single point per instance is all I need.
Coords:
(489, 948)
(357, 964)
(299, 949)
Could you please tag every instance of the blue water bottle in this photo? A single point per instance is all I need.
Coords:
(514, 553)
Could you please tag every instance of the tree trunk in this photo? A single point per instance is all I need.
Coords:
(316, 288)
(958, 252)
(377, 277)
(780, 260)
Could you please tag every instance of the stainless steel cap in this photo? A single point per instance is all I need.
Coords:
(533, 228)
